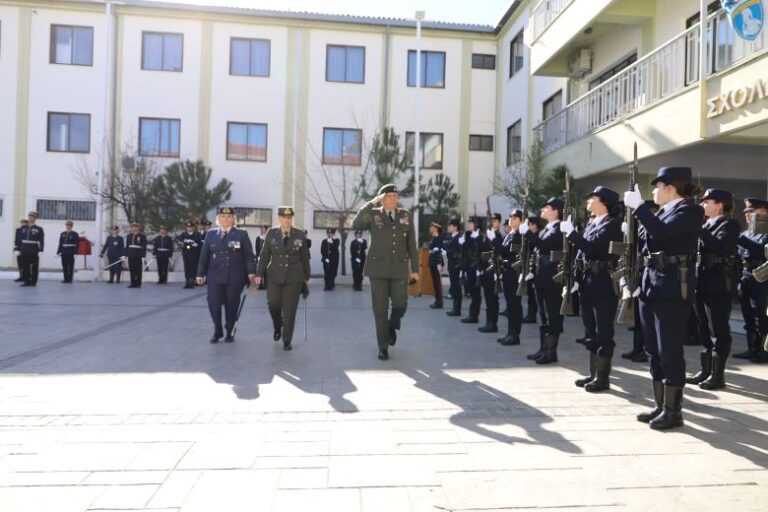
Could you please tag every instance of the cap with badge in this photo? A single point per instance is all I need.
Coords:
(135, 224)
(285, 211)
(436, 224)
(455, 222)
(516, 213)
(753, 203)
(718, 195)
(669, 175)
(606, 195)
(115, 228)
(388, 189)
(555, 202)
(190, 224)
(496, 216)
(225, 210)
(69, 223)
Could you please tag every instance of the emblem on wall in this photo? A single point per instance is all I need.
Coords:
(747, 17)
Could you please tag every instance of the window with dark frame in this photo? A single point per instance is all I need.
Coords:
(71, 45)
(342, 146)
(159, 137)
(613, 71)
(162, 51)
(246, 216)
(483, 61)
(345, 64)
(432, 69)
(481, 142)
(516, 54)
(60, 209)
(431, 149)
(247, 142)
(1, 207)
(553, 105)
(514, 143)
(69, 133)
(329, 219)
(249, 57)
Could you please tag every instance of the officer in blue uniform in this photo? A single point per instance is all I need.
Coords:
(357, 249)
(135, 251)
(162, 249)
(191, 243)
(714, 287)
(31, 244)
(329, 252)
(114, 248)
(68, 240)
(490, 243)
(226, 263)
(435, 262)
(470, 242)
(548, 293)
(510, 253)
(16, 244)
(670, 240)
(453, 253)
(753, 294)
(598, 297)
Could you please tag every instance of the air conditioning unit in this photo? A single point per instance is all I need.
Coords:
(580, 64)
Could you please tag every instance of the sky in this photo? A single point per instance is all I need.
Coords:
(483, 12)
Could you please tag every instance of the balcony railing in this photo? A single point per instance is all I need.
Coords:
(545, 13)
(655, 77)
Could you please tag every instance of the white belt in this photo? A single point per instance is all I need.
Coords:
(161, 249)
(135, 247)
(69, 245)
(30, 242)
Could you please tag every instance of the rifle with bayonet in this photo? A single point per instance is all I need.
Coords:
(523, 263)
(627, 276)
(492, 258)
(564, 275)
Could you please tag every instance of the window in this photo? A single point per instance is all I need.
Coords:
(514, 143)
(613, 71)
(246, 216)
(70, 133)
(71, 45)
(342, 147)
(481, 142)
(553, 105)
(322, 219)
(57, 209)
(482, 61)
(249, 57)
(159, 137)
(162, 52)
(345, 64)
(247, 141)
(431, 149)
(516, 54)
(432, 69)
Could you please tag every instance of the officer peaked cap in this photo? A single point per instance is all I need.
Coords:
(718, 195)
(285, 211)
(668, 175)
(225, 210)
(608, 196)
(388, 189)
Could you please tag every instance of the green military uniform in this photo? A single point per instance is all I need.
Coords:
(284, 260)
(391, 256)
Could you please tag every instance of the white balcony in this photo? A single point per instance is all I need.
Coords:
(545, 12)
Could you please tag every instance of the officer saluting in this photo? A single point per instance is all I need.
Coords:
(67, 249)
(135, 250)
(669, 239)
(392, 255)
(191, 243)
(31, 244)
(226, 264)
(114, 248)
(285, 260)
(162, 248)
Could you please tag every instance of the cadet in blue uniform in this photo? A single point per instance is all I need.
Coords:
(597, 294)
(191, 242)
(329, 252)
(470, 242)
(490, 243)
(114, 248)
(67, 249)
(357, 250)
(548, 293)
(435, 262)
(226, 263)
(135, 251)
(31, 244)
(16, 244)
(714, 286)
(510, 254)
(533, 226)
(669, 239)
(162, 249)
(752, 293)
(258, 244)
(453, 251)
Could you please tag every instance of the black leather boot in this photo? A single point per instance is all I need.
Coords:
(602, 381)
(529, 319)
(761, 355)
(456, 309)
(716, 378)
(672, 414)
(489, 327)
(536, 355)
(658, 397)
(751, 347)
(550, 349)
(277, 323)
(706, 369)
(469, 320)
(592, 368)
(637, 354)
(510, 340)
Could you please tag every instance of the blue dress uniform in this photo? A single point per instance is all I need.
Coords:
(226, 261)
(31, 244)
(597, 294)
(357, 249)
(532, 303)
(669, 239)
(191, 243)
(162, 249)
(453, 252)
(114, 248)
(434, 261)
(16, 244)
(68, 241)
(329, 252)
(753, 294)
(490, 242)
(135, 251)
(471, 254)
(510, 254)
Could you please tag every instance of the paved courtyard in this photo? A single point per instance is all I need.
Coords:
(112, 399)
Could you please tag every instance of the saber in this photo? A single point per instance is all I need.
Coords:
(304, 295)
(148, 263)
(120, 260)
(240, 308)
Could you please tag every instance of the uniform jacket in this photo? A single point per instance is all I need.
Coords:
(752, 253)
(436, 251)
(68, 243)
(329, 250)
(162, 246)
(453, 250)
(284, 262)
(358, 248)
(393, 244)
(718, 239)
(31, 239)
(259, 244)
(191, 243)
(509, 250)
(135, 245)
(470, 252)
(549, 239)
(226, 259)
(593, 245)
(490, 244)
(114, 247)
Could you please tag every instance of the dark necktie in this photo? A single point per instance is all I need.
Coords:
(285, 239)
(392, 216)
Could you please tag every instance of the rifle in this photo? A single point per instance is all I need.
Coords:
(523, 264)
(627, 276)
(564, 257)
(492, 258)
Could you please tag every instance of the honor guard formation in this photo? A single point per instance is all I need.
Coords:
(669, 268)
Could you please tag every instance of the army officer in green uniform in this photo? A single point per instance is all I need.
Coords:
(284, 259)
(392, 261)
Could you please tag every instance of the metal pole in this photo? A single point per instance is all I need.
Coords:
(417, 135)
(104, 138)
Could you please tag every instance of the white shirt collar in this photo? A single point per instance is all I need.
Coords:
(599, 218)
(670, 205)
(713, 220)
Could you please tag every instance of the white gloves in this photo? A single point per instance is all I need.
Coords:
(461, 240)
(529, 276)
(491, 234)
(17, 253)
(327, 260)
(523, 228)
(624, 227)
(632, 198)
(475, 234)
(478, 273)
(357, 260)
(566, 226)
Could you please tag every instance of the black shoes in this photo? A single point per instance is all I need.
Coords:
(277, 334)
(383, 354)
(392, 335)
(581, 341)
(592, 369)
(716, 378)
(509, 340)
(537, 354)
(706, 369)
(636, 356)
(287, 346)
(672, 412)
(436, 306)
(470, 320)
(230, 337)
(751, 347)
(529, 319)
(454, 313)
(549, 355)
(489, 327)
(601, 382)
(19, 280)
(658, 397)
(216, 337)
